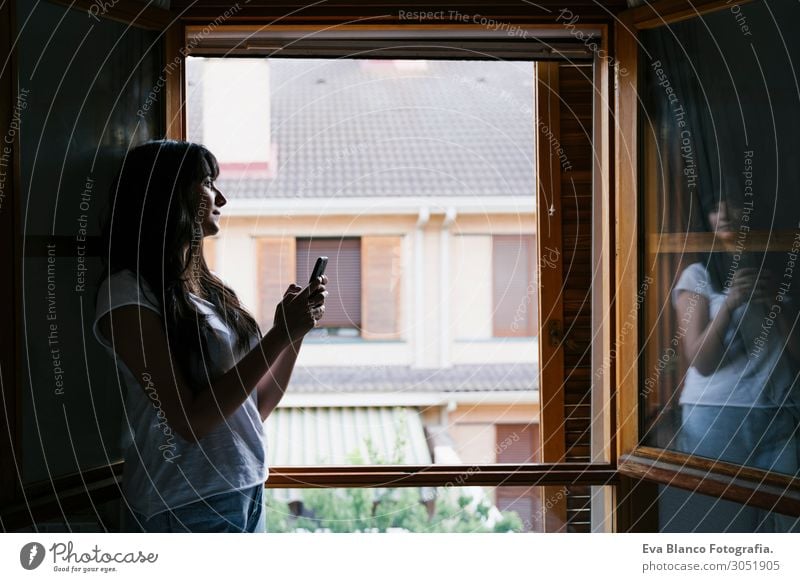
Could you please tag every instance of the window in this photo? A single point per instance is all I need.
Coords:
(519, 443)
(474, 163)
(514, 286)
(429, 169)
(367, 163)
(451, 509)
(713, 247)
(343, 306)
(720, 226)
(649, 209)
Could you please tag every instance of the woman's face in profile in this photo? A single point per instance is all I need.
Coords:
(209, 203)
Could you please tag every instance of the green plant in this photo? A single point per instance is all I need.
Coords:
(382, 509)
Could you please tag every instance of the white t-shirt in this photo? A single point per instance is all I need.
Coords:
(745, 377)
(162, 469)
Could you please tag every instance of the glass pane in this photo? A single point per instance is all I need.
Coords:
(681, 511)
(82, 100)
(458, 509)
(416, 179)
(720, 166)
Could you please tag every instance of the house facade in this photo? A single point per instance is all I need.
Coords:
(432, 306)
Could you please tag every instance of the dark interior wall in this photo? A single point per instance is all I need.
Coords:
(84, 86)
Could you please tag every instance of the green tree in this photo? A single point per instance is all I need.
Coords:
(381, 509)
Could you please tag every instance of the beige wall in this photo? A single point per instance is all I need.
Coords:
(471, 276)
(466, 326)
(473, 428)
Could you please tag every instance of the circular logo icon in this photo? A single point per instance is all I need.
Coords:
(31, 555)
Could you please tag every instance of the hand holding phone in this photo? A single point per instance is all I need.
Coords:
(317, 299)
(318, 270)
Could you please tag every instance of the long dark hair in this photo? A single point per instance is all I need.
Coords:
(717, 264)
(153, 227)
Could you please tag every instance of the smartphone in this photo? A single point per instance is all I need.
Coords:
(319, 269)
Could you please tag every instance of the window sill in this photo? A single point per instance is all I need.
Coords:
(752, 487)
(350, 340)
(497, 340)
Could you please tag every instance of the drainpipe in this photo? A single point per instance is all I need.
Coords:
(445, 299)
(419, 286)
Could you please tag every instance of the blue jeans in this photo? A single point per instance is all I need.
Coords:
(235, 511)
(765, 438)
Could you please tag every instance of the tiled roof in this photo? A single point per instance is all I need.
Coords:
(349, 128)
(461, 378)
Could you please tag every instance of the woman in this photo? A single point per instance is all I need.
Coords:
(199, 378)
(739, 401)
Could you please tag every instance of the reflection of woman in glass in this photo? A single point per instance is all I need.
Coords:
(739, 400)
(199, 377)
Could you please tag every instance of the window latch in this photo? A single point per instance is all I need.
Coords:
(554, 332)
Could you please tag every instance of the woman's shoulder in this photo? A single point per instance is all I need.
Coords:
(695, 279)
(695, 274)
(124, 287)
(119, 289)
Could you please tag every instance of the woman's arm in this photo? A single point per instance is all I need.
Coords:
(273, 384)
(192, 416)
(704, 344)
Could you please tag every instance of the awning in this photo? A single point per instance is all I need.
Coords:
(345, 436)
(334, 435)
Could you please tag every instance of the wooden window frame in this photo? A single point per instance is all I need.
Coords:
(552, 473)
(87, 487)
(631, 468)
(746, 485)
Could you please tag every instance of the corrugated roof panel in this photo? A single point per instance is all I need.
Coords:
(329, 435)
